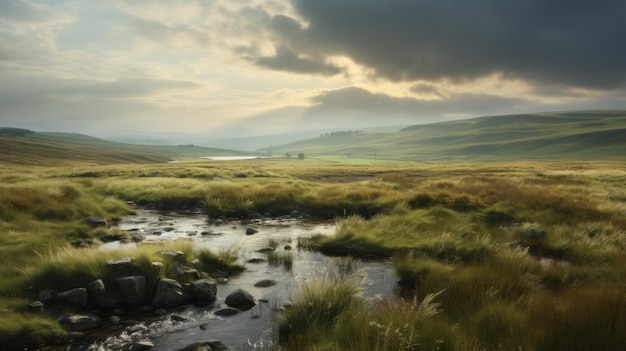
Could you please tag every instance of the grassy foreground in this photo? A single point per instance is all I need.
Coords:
(448, 226)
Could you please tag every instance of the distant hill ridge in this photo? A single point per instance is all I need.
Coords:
(27, 147)
(569, 135)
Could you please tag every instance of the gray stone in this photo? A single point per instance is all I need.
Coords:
(251, 231)
(184, 273)
(266, 283)
(75, 297)
(241, 299)
(97, 293)
(79, 322)
(122, 266)
(46, 295)
(178, 318)
(266, 250)
(208, 345)
(95, 222)
(294, 214)
(204, 290)
(256, 260)
(132, 289)
(169, 293)
(36, 306)
(226, 312)
(115, 320)
(177, 256)
(142, 345)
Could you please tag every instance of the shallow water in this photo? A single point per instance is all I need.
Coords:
(248, 330)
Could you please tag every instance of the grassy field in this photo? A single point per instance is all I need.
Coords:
(448, 227)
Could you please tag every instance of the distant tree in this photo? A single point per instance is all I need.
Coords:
(288, 155)
(15, 132)
(301, 156)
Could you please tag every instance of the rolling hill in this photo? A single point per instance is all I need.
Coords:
(25, 147)
(573, 135)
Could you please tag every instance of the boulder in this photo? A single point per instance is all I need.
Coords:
(75, 297)
(142, 345)
(36, 306)
(95, 222)
(251, 231)
(184, 273)
(97, 293)
(79, 322)
(177, 256)
(241, 300)
(46, 295)
(294, 214)
(226, 312)
(132, 289)
(204, 291)
(122, 266)
(266, 250)
(169, 293)
(265, 283)
(208, 345)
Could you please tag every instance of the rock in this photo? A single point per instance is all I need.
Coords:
(204, 291)
(184, 273)
(137, 238)
(95, 222)
(218, 222)
(208, 345)
(122, 266)
(535, 234)
(288, 248)
(226, 312)
(254, 216)
(142, 345)
(46, 295)
(177, 318)
(169, 293)
(241, 299)
(75, 297)
(115, 320)
(294, 214)
(251, 231)
(177, 256)
(36, 306)
(79, 322)
(266, 283)
(256, 260)
(97, 293)
(266, 250)
(132, 289)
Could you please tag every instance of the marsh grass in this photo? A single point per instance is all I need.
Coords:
(448, 227)
(278, 258)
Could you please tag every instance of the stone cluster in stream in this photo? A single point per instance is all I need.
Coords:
(101, 304)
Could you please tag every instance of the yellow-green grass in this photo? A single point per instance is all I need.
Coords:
(447, 226)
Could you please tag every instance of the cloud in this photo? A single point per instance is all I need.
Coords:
(412, 110)
(24, 12)
(287, 60)
(567, 43)
(178, 35)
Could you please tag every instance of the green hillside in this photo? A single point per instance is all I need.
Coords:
(25, 147)
(578, 135)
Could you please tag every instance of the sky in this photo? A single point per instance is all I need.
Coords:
(254, 67)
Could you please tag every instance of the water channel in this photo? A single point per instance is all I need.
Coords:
(254, 329)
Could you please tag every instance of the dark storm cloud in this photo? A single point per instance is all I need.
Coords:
(287, 60)
(569, 43)
(381, 105)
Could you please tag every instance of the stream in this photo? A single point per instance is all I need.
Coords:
(254, 329)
